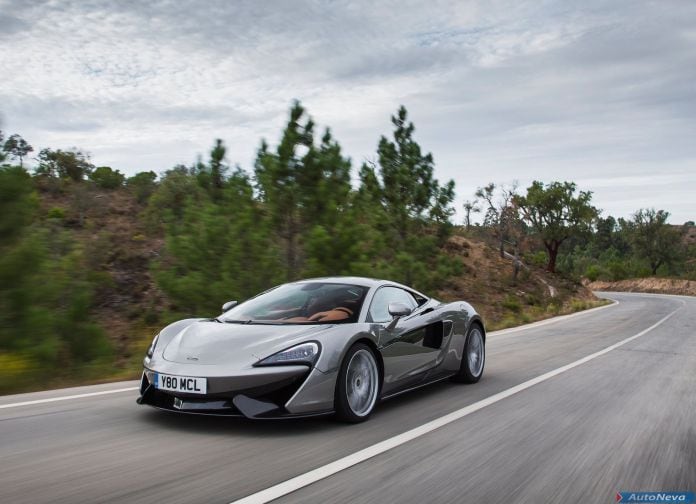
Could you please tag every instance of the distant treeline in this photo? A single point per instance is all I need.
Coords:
(551, 225)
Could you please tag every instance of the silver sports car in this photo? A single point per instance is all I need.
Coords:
(328, 345)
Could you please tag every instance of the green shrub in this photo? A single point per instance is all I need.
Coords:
(642, 271)
(524, 275)
(593, 272)
(56, 213)
(554, 306)
(538, 259)
(151, 316)
(532, 299)
(579, 305)
(106, 178)
(618, 270)
(511, 303)
(143, 185)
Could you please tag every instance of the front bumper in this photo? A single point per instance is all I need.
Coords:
(268, 392)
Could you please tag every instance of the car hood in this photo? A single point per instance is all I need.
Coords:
(209, 342)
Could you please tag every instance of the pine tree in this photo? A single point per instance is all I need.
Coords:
(279, 178)
(335, 237)
(415, 209)
(218, 250)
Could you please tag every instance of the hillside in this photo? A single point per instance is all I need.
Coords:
(486, 283)
(129, 306)
(91, 274)
(109, 227)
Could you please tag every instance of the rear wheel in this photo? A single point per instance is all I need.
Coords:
(358, 385)
(474, 357)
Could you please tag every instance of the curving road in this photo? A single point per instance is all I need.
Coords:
(571, 410)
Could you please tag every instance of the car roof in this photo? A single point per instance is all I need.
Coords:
(356, 280)
(349, 280)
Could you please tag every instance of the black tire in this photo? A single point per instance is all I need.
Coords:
(471, 372)
(349, 383)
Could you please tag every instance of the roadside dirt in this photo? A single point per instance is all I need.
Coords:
(651, 285)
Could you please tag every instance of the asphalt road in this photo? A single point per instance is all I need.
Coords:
(623, 420)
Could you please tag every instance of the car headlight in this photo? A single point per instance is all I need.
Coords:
(151, 348)
(304, 353)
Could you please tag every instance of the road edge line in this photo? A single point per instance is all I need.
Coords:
(65, 398)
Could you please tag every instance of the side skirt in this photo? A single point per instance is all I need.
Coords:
(416, 387)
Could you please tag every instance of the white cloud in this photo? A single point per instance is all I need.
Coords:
(601, 93)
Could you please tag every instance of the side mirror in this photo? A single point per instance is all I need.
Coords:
(228, 306)
(397, 310)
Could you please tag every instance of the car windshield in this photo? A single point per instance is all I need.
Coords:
(301, 303)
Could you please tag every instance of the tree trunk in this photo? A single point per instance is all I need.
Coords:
(655, 266)
(291, 251)
(291, 259)
(552, 249)
(516, 264)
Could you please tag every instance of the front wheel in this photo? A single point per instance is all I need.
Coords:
(358, 385)
(474, 357)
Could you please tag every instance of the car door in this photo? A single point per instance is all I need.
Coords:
(412, 347)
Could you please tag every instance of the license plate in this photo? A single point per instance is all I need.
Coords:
(186, 384)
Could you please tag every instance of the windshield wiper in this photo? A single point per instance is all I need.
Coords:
(247, 321)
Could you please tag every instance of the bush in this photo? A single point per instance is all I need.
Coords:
(106, 178)
(538, 259)
(554, 306)
(532, 300)
(151, 316)
(617, 270)
(579, 305)
(17, 202)
(511, 303)
(593, 272)
(142, 184)
(14, 368)
(56, 213)
(176, 189)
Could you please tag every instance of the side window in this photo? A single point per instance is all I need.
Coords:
(379, 309)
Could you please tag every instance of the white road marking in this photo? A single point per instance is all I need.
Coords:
(341, 464)
(65, 398)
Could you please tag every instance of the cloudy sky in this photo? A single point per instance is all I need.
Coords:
(602, 93)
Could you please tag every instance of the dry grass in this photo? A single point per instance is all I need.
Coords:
(651, 285)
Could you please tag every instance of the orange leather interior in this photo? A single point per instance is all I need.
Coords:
(336, 314)
(330, 315)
